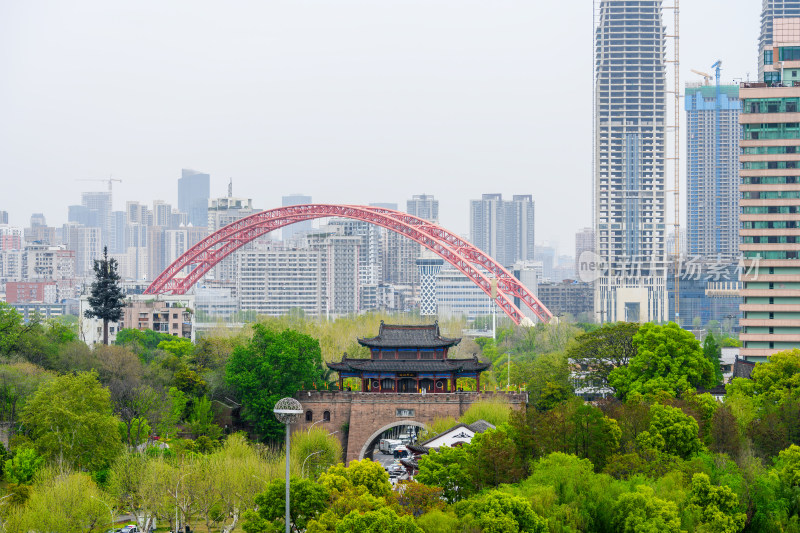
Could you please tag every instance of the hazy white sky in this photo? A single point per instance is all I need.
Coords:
(350, 101)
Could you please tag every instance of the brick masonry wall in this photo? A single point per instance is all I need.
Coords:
(364, 414)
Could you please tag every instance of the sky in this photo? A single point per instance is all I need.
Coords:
(349, 101)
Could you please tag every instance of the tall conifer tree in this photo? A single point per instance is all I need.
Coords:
(106, 298)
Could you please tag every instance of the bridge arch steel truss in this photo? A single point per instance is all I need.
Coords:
(465, 257)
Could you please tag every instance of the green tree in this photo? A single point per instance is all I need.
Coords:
(417, 498)
(717, 506)
(493, 459)
(447, 468)
(201, 421)
(672, 432)
(779, 377)
(364, 473)
(498, 512)
(315, 451)
(546, 377)
(70, 420)
(642, 512)
(23, 465)
(106, 299)
(667, 358)
(595, 436)
(600, 351)
(272, 365)
(712, 352)
(379, 521)
(177, 346)
(173, 412)
(11, 328)
(308, 500)
(69, 502)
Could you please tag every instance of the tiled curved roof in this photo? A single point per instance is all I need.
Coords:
(407, 336)
(409, 365)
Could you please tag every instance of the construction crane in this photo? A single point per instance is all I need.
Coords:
(706, 76)
(109, 180)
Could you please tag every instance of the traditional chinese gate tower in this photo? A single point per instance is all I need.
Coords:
(409, 359)
(407, 381)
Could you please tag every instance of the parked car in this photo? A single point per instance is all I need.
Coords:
(131, 528)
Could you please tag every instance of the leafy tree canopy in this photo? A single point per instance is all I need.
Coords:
(779, 377)
(718, 506)
(308, 499)
(667, 359)
(382, 520)
(672, 432)
(642, 512)
(501, 513)
(601, 350)
(271, 366)
(712, 352)
(70, 419)
(364, 473)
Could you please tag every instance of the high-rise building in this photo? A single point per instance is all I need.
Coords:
(630, 156)
(503, 229)
(228, 209)
(712, 170)
(38, 220)
(547, 255)
(399, 260)
(423, 206)
(275, 282)
(370, 250)
(298, 228)
(10, 237)
(221, 212)
(116, 242)
(98, 205)
(528, 273)
(457, 296)
(771, 10)
(162, 213)
(584, 242)
(194, 190)
(770, 216)
(136, 213)
(86, 243)
(3, 217)
(429, 265)
(384, 205)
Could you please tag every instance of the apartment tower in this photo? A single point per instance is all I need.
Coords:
(770, 187)
(712, 170)
(630, 153)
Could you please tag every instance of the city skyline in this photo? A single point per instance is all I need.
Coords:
(450, 131)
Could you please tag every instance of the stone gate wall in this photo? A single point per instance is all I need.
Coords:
(357, 416)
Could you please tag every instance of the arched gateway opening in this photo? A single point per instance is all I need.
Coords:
(468, 259)
(370, 448)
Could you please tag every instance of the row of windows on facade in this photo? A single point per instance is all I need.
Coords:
(326, 416)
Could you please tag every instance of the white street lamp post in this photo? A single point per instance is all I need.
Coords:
(287, 411)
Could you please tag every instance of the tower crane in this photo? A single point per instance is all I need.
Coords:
(706, 76)
(109, 180)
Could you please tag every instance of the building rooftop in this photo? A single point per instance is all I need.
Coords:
(405, 336)
(409, 365)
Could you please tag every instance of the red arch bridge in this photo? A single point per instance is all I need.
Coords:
(469, 260)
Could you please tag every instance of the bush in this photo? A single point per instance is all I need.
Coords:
(495, 411)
